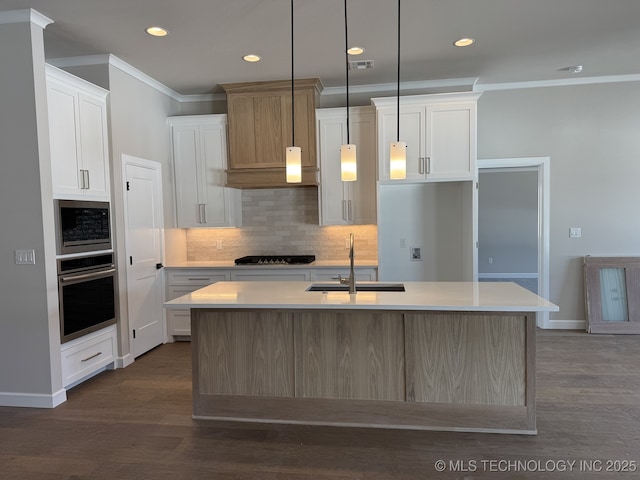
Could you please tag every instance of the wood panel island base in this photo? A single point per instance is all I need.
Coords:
(440, 356)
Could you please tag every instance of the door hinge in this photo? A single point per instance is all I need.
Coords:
(477, 186)
(130, 260)
(128, 186)
(134, 333)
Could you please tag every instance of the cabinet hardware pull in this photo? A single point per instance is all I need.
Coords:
(83, 276)
(204, 213)
(349, 211)
(92, 356)
(428, 165)
(345, 214)
(421, 165)
(87, 184)
(198, 278)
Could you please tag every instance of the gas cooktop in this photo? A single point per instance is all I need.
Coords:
(275, 260)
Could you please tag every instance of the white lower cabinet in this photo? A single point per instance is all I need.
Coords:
(181, 282)
(86, 356)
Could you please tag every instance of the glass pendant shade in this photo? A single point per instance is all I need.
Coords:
(294, 164)
(348, 166)
(398, 161)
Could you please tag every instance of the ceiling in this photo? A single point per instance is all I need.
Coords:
(516, 40)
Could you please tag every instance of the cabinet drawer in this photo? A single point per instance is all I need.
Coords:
(365, 274)
(87, 356)
(195, 277)
(175, 291)
(273, 275)
(179, 322)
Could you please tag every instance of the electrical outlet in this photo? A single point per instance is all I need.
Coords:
(416, 253)
(575, 232)
(490, 259)
(219, 244)
(25, 257)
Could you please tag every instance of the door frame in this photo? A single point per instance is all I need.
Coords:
(543, 166)
(157, 168)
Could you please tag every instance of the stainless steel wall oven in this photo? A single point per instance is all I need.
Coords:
(86, 288)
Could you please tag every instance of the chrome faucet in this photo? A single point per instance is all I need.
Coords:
(351, 281)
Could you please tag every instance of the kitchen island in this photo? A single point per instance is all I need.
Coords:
(440, 356)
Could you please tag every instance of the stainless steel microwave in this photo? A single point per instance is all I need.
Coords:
(82, 226)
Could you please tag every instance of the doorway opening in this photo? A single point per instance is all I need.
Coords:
(513, 223)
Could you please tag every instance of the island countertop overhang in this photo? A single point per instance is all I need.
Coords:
(435, 296)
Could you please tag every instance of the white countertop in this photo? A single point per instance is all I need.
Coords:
(315, 264)
(450, 296)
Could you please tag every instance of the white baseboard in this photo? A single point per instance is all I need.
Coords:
(507, 275)
(566, 325)
(33, 400)
(123, 362)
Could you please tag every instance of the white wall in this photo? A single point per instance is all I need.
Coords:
(139, 128)
(590, 132)
(30, 372)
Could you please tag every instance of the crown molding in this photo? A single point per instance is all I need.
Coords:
(62, 75)
(485, 87)
(134, 72)
(28, 15)
(465, 84)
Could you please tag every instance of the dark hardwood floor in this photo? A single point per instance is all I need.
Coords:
(135, 423)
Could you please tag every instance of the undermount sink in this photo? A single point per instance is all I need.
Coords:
(361, 287)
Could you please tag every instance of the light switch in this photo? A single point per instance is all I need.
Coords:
(25, 257)
(575, 232)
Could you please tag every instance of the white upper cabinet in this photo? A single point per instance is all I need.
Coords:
(440, 132)
(346, 203)
(78, 137)
(199, 147)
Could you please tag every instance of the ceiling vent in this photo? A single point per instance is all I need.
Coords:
(360, 64)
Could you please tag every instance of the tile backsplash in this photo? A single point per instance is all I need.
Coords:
(281, 221)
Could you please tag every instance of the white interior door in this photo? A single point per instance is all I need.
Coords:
(143, 235)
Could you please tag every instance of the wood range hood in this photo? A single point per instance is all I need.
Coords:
(259, 130)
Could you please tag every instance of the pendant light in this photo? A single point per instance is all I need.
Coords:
(398, 150)
(293, 155)
(348, 162)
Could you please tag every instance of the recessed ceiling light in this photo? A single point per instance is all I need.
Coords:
(157, 31)
(355, 51)
(251, 58)
(464, 42)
